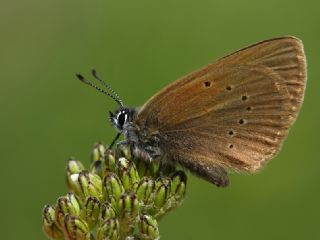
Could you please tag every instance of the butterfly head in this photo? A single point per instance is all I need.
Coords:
(121, 118)
(123, 115)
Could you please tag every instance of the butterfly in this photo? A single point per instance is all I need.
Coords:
(230, 116)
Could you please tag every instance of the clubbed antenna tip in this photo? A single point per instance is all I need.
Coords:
(80, 77)
(94, 73)
(113, 95)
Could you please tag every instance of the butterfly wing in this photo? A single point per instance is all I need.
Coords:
(233, 114)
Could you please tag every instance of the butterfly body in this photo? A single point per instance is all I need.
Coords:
(231, 115)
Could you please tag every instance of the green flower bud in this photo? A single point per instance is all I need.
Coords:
(145, 190)
(148, 227)
(114, 204)
(128, 206)
(127, 172)
(74, 167)
(90, 185)
(99, 168)
(146, 168)
(98, 152)
(107, 211)
(75, 228)
(49, 225)
(112, 187)
(163, 189)
(73, 184)
(68, 204)
(178, 186)
(91, 211)
(128, 211)
(110, 160)
(109, 230)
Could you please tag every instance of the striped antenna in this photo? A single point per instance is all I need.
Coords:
(94, 73)
(116, 97)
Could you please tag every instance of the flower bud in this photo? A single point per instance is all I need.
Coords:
(91, 211)
(128, 206)
(110, 160)
(98, 152)
(73, 184)
(109, 230)
(115, 204)
(163, 189)
(178, 186)
(49, 225)
(74, 167)
(99, 168)
(107, 211)
(87, 184)
(75, 228)
(127, 172)
(145, 190)
(146, 168)
(68, 204)
(148, 227)
(112, 187)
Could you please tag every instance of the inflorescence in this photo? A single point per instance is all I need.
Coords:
(118, 198)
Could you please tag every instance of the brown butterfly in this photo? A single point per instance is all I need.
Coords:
(231, 115)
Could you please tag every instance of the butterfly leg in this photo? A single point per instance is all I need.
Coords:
(114, 140)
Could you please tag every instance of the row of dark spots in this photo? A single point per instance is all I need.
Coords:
(231, 133)
(243, 98)
(241, 121)
(229, 88)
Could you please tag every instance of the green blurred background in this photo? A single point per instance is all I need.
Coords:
(139, 47)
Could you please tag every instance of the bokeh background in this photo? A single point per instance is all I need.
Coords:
(139, 47)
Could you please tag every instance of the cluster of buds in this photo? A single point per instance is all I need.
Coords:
(118, 198)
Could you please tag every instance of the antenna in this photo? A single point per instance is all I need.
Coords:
(84, 80)
(95, 75)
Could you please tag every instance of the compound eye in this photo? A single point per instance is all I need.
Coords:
(122, 118)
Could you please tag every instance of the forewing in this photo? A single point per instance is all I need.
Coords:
(234, 113)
